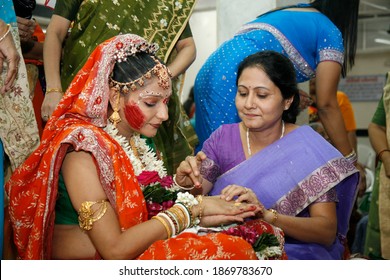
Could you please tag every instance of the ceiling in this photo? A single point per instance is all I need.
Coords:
(374, 21)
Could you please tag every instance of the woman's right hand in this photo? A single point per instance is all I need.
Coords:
(188, 172)
(8, 54)
(49, 104)
(26, 28)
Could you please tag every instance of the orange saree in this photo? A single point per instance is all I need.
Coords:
(77, 124)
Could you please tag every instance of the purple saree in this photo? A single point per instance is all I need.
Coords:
(300, 169)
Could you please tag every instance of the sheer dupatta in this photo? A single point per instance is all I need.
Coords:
(294, 172)
(76, 123)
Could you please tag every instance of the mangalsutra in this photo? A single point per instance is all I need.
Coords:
(249, 144)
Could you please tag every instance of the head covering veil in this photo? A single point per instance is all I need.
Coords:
(76, 125)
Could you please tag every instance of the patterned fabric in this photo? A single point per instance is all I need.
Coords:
(18, 127)
(215, 83)
(189, 246)
(77, 123)
(162, 22)
(300, 169)
(377, 242)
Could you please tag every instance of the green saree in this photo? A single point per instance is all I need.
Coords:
(377, 244)
(159, 21)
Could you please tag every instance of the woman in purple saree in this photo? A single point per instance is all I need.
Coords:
(305, 186)
(289, 175)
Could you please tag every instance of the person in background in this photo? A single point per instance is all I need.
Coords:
(303, 184)
(162, 22)
(350, 126)
(189, 107)
(9, 57)
(31, 40)
(18, 128)
(345, 108)
(319, 38)
(93, 142)
(377, 243)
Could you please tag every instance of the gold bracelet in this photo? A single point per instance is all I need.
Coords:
(164, 223)
(54, 90)
(6, 32)
(275, 218)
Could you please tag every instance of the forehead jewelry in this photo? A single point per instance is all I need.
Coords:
(147, 94)
(159, 70)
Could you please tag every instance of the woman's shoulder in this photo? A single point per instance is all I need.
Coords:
(227, 128)
(224, 134)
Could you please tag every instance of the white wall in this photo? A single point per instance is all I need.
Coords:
(368, 64)
(210, 24)
(204, 30)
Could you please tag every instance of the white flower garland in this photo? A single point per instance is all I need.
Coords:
(147, 160)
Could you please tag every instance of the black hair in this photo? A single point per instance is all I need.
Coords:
(133, 67)
(189, 102)
(344, 14)
(281, 72)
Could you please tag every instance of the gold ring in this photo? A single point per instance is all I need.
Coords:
(237, 204)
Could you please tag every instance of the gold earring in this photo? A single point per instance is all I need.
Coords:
(115, 118)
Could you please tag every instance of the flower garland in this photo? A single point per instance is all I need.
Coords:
(159, 190)
(147, 159)
(266, 240)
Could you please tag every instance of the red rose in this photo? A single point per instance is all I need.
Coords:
(166, 182)
(148, 177)
(153, 209)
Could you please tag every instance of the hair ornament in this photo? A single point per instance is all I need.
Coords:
(159, 70)
(121, 53)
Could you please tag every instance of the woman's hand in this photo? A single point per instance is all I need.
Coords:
(242, 194)
(8, 54)
(26, 28)
(304, 100)
(49, 104)
(216, 211)
(188, 172)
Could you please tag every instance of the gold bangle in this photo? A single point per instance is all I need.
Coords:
(54, 90)
(6, 32)
(165, 224)
(275, 218)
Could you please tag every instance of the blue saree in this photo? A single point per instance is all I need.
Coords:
(215, 84)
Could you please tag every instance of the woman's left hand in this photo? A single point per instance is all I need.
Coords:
(241, 193)
(217, 211)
